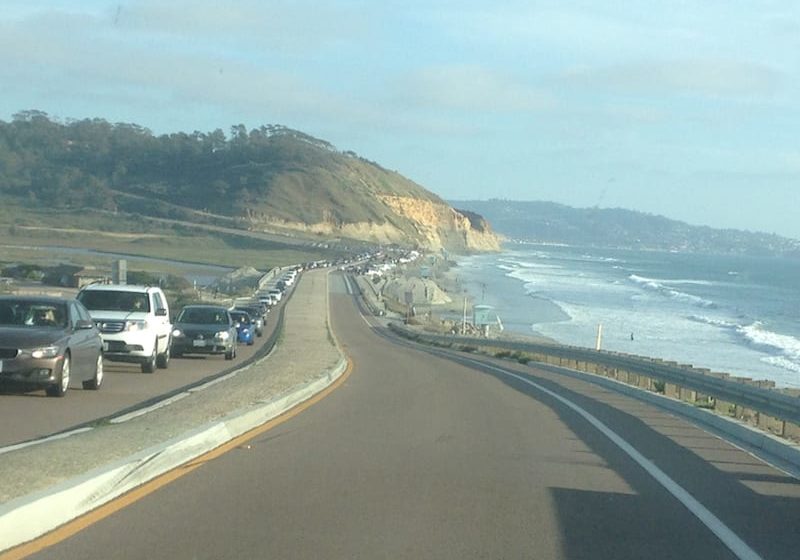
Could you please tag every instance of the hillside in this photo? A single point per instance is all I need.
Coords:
(548, 222)
(268, 179)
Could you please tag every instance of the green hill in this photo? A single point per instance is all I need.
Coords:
(271, 179)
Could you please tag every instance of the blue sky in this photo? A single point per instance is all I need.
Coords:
(690, 109)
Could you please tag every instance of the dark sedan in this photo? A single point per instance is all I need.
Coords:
(204, 329)
(48, 342)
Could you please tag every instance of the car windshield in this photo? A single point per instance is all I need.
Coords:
(202, 316)
(243, 318)
(32, 313)
(108, 300)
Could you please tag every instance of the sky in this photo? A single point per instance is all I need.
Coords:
(688, 109)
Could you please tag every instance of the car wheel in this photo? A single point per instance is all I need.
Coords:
(231, 354)
(251, 342)
(162, 360)
(60, 388)
(95, 382)
(150, 365)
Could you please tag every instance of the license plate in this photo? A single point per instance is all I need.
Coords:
(105, 347)
(199, 342)
(1, 366)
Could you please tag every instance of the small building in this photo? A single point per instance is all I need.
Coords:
(484, 318)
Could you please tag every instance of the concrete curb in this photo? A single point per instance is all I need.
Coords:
(29, 517)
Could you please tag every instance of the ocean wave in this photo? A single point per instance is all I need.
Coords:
(786, 345)
(713, 322)
(785, 349)
(783, 363)
(592, 258)
(661, 287)
(526, 264)
(679, 281)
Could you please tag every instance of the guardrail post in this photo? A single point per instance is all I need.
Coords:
(791, 431)
(672, 390)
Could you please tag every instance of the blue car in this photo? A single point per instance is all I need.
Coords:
(245, 329)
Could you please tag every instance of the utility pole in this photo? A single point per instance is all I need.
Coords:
(464, 321)
(599, 336)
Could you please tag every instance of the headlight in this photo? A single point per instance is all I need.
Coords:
(135, 325)
(45, 352)
(223, 335)
(177, 333)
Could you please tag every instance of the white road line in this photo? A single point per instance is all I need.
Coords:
(347, 285)
(145, 410)
(370, 325)
(728, 537)
(25, 444)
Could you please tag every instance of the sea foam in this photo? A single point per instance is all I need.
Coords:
(662, 287)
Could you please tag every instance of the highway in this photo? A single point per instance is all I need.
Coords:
(417, 455)
(27, 416)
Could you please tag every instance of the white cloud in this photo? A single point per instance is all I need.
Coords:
(713, 77)
(290, 26)
(473, 88)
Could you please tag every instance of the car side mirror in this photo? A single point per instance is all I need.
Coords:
(83, 324)
(161, 312)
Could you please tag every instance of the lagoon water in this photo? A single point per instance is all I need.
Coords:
(735, 314)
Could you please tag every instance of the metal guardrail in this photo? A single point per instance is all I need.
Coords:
(765, 401)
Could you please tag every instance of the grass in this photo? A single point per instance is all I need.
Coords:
(47, 230)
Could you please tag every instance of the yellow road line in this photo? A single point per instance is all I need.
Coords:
(79, 524)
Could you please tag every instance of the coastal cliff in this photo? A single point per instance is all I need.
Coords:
(268, 179)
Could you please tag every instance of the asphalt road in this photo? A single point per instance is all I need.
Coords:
(418, 456)
(27, 416)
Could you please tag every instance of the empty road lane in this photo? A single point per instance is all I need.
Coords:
(420, 456)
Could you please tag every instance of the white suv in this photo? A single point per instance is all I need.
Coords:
(133, 321)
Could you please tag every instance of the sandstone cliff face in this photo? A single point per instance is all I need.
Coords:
(323, 192)
(443, 227)
(409, 221)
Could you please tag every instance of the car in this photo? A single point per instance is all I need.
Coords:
(267, 299)
(49, 342)
(133, 321)
(257, 313)
(204, 329)
(245, 330)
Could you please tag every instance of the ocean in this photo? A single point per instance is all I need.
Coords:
(734, 314)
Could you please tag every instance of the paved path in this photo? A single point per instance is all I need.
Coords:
(416, 456)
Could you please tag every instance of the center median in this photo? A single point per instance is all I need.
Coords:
(48, 485)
